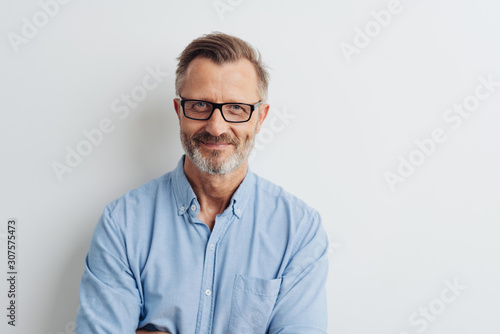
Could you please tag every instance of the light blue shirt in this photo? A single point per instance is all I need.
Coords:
(152, 263)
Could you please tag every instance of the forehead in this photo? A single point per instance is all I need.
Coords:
(207, 80)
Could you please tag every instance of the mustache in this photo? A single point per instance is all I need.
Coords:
(222, 139)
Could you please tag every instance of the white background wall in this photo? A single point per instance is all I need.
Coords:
(353, 118)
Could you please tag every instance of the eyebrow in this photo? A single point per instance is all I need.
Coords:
(205, 100)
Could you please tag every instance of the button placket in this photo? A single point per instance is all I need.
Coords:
(208, 282)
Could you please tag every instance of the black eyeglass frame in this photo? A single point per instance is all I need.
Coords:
(219, 106)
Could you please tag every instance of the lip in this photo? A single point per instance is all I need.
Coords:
(213, 146)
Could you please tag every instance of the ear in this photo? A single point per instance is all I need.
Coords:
(177, 107)
(264, 109)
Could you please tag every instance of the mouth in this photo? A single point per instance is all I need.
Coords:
(215, 146)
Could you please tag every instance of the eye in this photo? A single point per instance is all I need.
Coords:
(200, 104)
(237, 108)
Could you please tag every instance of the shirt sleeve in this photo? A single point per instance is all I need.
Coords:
(109, 298)
(301, 305)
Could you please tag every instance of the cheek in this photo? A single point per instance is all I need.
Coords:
(256, 128)
(251, 131)
(245, 134)
(189, 128)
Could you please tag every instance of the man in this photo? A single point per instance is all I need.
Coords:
(209, 247)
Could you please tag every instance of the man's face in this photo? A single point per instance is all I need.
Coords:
(214, 145)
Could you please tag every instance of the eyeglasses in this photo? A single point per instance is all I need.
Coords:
(231, 112)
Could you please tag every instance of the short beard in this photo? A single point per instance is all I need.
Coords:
(212, 164)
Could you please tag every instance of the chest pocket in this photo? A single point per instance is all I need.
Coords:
(251, 305)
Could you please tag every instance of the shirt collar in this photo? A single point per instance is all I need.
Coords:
(243, 193)
(186, 198)
(184, 194)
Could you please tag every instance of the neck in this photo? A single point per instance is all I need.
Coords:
(213, 191)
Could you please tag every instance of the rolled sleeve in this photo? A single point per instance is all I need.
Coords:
(301, 306)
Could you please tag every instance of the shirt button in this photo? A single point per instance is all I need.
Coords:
(193, 207)
(212, 247)
(238, 211)
(208, 292)
(183, 208)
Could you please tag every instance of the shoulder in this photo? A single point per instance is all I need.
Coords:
(273, 191)
(139, 199)
(283, 201)
(297, 223)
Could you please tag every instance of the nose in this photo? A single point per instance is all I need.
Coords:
(216, 125)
